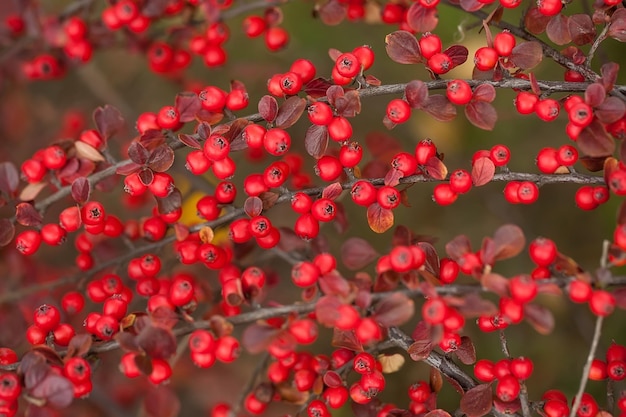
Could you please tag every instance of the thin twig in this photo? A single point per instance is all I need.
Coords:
(585, 376)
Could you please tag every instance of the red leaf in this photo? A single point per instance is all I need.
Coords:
(477, 401)
(332, 379)
(458, 247)
(7, 231)
(495, 283)
(326, 310)
(81, 189)
(161, 159)
(483, 171)
(508, 241)
(26, 215)
(146, 176)
(290, 111)
(253, 206)
(393, 176)
(333, 93)
(457, 53)
(402, 47)
(540, 318)
(317, 87)
(356, 253)
(334, 284)
(611, 110)
(535, 21)
(172, 202)
(348, 104)
(108, 120)
(346, 339)
(79, 345)
(332, 191)
(416, 93)
(203, 130)
(484, 92)
(9, 178)
(581, 29)
(471, 5)
(57, 391)
(394, 310)
(422, 19)
(331, 13)
(439, 412)
(609, 73)
(188, 105)
(268, 108)
(257, 337)
(527, 55)
(593, 164)
(422, 345)
(161, 401)
(189, 140)
(440, 108)
(617, 28)
(435, 168)
(558, 30)
(138, 153)
(466, 351)
(316, 141)
(379, 219)
(481, 114)
(595, 141)
(595, 94)
(158, 342)
(128, 168)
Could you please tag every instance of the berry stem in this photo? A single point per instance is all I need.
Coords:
(585, 376)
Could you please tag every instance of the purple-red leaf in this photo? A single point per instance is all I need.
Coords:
(440, 108)
(481, 114)
(423, 344)
(393, 176)
(581, 29)
(108, 120)
(81, 190)
(79, 345)
(484, 92)
(257, 337)
(508, 241)
(558, 30)
(188, 105)
(402, 47)
(540, 318)
(595, 94)
(7, 231)
(394, 310)
(331, 13)
(458, 247)
(189, 140)
(422, 19)
(617, 28)
(526, 55)
(316, 141)
(161, 159)
(161, 401)
(495, 283)
(158, 342)
(483, 171)
(466, 351)
(326, 310)
(609, 73)
(332, 191)
(9, 178)
(457, 53)
(172, 202)
(26, 215)
(138, 153)
(253, 206)
(348, 104)
(379, 219)
(611, 110)
(268, 108)
(435, 168)
(595, 141)
(356, 253)
(146, 176)
(477, 401)
(290, 111)
(416, 93)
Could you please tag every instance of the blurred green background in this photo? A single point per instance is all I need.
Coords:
(31, 114)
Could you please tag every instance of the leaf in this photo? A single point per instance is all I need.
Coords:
(440, 108)
(138, 153)
(7, 231)
(290, 111)
(391, 363)
(331, 13)
(57, 391)
(81, 190)
(527, 55)
(348, 104)
(161, 401)
(158, 342)
(466, 351)
(484, 92)
(393, 176)
(84, 150)
(581, 29)
(127, 169)
(9, 178)
(495, 283)
(332, 379)
(481, 114)
(203, 130)
(326, 310)
(316, 141)
(609, 73)
(471, 5)
(422, 19)
(436, 169)
(508, 241)
(477, 401)
(416, 93)
(379, 219)
(257, 337)
(317, 87)
(595, 94)
(540, 318)
(402, 47)
(332, 191)
(617, 28)
(437, 413)
(457, 53)
(253, 206)
(79, 345)
(394, 310)
(188, 105)
(611, 110)
(146, 176)
(357, 253)
(558, 30)
(31, 191)
(333, 283)
(268, 108)
(27, 215)
(108, 120)
(593, 164)
(458, 247)
(483, 171)
(161, 159)
(422, 346)
(595, 141)
(535, 21)
(172, 202)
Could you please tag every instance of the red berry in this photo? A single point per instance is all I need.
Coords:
(459, 92)
(398, 111)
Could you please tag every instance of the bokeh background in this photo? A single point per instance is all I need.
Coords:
(33, 115)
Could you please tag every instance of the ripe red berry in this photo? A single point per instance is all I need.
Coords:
(503, 43)
(364, 193)
(430, 44)
(549, 7)
(328, 168)
(276, 38)
(444, 195)
(525, 102)
(440, 63)
(388, 197)
(398, 110)
(459, 92)
(602, 303)
(485, 58)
